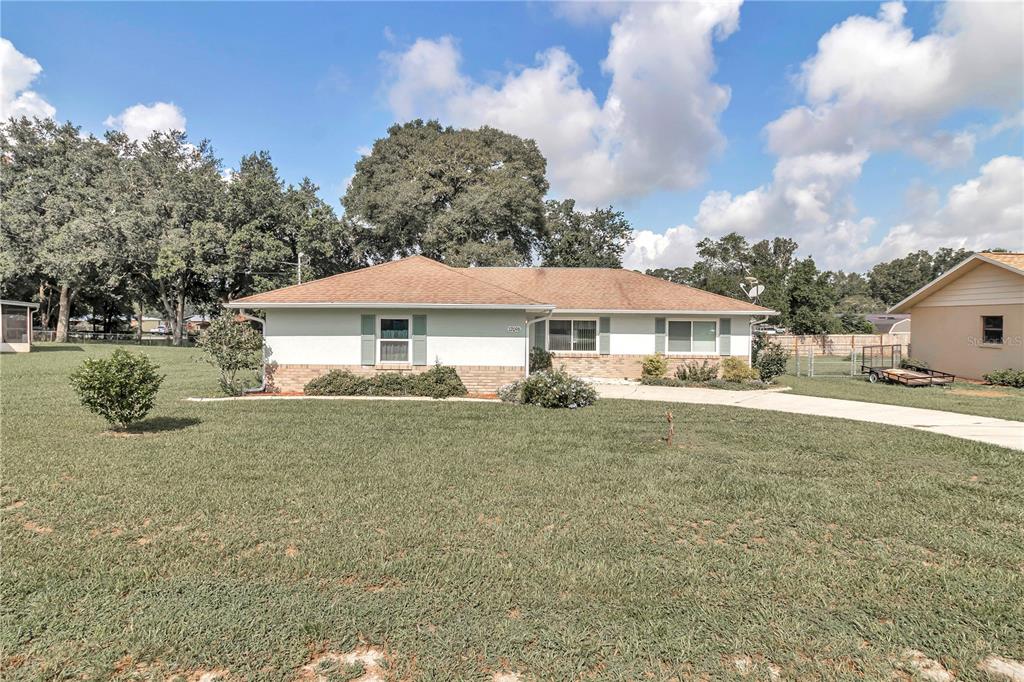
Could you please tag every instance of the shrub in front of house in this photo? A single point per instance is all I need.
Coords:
(654, 366)
(771, 361)
(692, 372)
(392, 384)
(1013, 378)
(440, 381)
(540, 359)
(232, 347)
(550, 388)
(737, 370)
(338, 382)
(913, 363)
(121, 388)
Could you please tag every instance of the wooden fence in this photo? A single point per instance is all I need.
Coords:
(839, 344)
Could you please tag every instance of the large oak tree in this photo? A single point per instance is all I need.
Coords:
(465, 197)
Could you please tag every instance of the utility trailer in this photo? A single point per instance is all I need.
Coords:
(883, 363)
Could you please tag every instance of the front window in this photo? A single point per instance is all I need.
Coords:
(693, 336)
(15, 325)
(572, 335)
(394, 339)
(992, 329)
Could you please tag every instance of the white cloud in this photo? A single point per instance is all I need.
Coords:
(871, 87)
(656, 129)
(871, 84)
(675, 248)
(806, 194)
(17, 72)
(984, 212)
(139, 121)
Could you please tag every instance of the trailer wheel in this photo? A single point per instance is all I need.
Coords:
(873, 377)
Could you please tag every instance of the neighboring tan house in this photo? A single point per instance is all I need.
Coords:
(16, 326)
(410, 313)
(970, 320)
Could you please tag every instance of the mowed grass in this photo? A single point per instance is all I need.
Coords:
(1002, 402)
(468, 538)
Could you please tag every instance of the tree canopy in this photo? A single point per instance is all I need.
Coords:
(464, 197)
(574, 239)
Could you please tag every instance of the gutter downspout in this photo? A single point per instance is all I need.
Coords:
(750, 348)
(529, 323)
(263, 367)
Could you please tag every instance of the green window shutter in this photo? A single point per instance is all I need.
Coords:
(419, 339)
(724, 333)
(368, 325)
(540, 331)
(659, 335)
(604, 335)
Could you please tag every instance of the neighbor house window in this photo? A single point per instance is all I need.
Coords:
(15, 325)
(394, 339)
(992, 329)
(577, 335)
(693, 336)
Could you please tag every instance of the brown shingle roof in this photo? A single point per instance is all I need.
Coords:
(1014, 260)
(411, 280)
(608, 289)
(420, 280)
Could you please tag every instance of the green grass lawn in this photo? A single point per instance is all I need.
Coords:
(466, 538)
(987, 401)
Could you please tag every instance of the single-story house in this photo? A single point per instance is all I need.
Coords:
(148, 323)
(408, 314)
(16, 326)
(970, 320)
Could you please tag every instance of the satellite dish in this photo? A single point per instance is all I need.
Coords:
(755, 291)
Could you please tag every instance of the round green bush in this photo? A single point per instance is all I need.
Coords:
(121, 388)
(440, 381)
(771, 361)
(550, 388)
(654, 366)
(338, 382)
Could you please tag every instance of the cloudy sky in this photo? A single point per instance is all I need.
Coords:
(862, 130)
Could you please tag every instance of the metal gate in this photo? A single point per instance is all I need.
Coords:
(807, 364)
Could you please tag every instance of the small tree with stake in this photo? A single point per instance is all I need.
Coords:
(121, 388)
(232, 347)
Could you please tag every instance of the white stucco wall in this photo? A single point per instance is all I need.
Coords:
(633, 334)
(331, 336)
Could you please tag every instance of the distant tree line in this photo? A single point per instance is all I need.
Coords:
(809, 300)
(116, 227)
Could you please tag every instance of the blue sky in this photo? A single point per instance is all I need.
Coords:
(313, 83)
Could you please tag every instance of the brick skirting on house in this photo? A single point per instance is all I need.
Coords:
(619, 366)
(292, 378)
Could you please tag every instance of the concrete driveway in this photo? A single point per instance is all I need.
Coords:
(1007, 434)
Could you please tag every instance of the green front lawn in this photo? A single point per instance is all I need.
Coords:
(467, 538)
(1002, 402)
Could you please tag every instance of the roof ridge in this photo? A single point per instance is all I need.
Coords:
(461, 271)
(704, 291)
(324, 279)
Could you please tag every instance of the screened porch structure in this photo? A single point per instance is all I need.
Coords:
(16, 326)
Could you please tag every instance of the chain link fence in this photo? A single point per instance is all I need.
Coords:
(805, 363)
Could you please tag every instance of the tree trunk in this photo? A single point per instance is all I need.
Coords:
(138, 331)
(64, 314)
(179, 316)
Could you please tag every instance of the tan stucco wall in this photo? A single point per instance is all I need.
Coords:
(948, 338)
